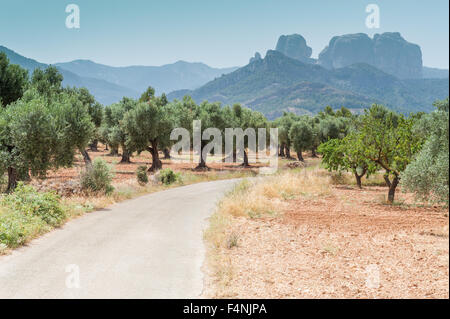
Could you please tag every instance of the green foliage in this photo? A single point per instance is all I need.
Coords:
(17, 228)
(167, 176)
(38, 133)
(148, 95)
(388, 139)
(347, 155)
(301, 135)
(98, 178)
(27, 213)
(47, 82)
(13, 81)
(113, 130)
(28, 201)
(141, 175)
(428, 175)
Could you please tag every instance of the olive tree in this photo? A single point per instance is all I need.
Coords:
(38, 134)
(13, 81)
(301, 135)
(115, 133)
(148, 126)
(428, 175)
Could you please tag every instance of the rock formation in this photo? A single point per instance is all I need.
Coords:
(389, 52)
(294, 46)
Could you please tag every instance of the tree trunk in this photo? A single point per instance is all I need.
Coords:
(300, 156)
(202, 164)
(287, 151)
(94, 146)
(156, 162)
(12, 179)
(166, 153)
(359, 177)
(392, 189)
(125, 156)
(386, 179)
(86, 157)
(245, 163)
(358, 180)
(313, 151)
(282, 154)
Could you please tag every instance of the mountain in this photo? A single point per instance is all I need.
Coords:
(389, 52)
(110, 84)
(277, 83)
(166, 78)
(104, 92)
(433, 73)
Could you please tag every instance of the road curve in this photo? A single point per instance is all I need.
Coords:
(149, 247)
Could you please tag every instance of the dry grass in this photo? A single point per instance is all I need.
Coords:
(302, 234)
(257, 198)
(263, 196)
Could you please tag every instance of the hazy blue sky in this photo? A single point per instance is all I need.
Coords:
(217, 32)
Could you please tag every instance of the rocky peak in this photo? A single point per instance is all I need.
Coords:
(294, 46)
(389, 52)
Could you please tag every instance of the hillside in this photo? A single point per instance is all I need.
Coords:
(434, 73)
(166, 78)
(104, 92)
(277, 83)
(109, 84)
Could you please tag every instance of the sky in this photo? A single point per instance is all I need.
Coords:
(220, 33)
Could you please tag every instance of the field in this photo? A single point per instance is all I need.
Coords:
(325, 239)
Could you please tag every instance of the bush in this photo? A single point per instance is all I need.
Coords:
(141, 175)
(27, 201)
(98, 178)
(167, 176)
(17, 228)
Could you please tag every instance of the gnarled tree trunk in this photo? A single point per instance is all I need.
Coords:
(156, 162)
(125, 156)
(300, 156)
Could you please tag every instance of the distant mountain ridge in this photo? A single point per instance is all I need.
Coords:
(278, 83)
(164, 79)
(353, 71)
(104, 92)
(110, 84)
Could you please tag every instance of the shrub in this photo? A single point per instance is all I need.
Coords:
(167, 176)
(97, 178)
(17, 228)
(29, 202)
(141, 175)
